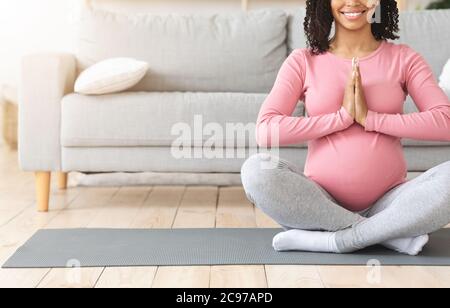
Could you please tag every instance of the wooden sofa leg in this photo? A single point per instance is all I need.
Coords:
(42, 190)
(62, 180)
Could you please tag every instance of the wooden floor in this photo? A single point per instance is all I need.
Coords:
(165, 207)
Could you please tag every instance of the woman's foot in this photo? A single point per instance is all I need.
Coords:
(410, 246)
(305, 241)
(313, 241)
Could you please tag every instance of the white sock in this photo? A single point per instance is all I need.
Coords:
(314, 241)
(410, 246)
(305, 241)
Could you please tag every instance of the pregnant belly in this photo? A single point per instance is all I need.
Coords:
(356, 167)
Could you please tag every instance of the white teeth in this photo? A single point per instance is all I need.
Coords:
(352, 14)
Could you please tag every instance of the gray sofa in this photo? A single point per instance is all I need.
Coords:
(214, 68)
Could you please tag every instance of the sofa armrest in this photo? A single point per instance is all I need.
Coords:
(44, 79)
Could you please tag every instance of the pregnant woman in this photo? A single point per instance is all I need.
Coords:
(353, 192)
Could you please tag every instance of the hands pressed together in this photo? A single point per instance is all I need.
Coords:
(354, 99)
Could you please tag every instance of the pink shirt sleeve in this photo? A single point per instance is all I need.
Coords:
(277, 127)
(433, 121)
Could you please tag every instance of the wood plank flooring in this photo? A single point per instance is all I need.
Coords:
(165, 207)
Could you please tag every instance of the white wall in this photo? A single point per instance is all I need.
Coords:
(164, 6)
(29, 26)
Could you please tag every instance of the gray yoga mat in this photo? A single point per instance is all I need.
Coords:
(176, 247)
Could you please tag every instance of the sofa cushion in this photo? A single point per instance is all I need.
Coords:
(128, 119)
(147, 119)
(223, 52)
(111, 76)
(425, 31)
(296, 37)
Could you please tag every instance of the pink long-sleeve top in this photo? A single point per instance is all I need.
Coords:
(357, 165)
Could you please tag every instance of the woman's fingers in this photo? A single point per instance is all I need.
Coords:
(352, 79)
(360, 101)
(349, 95)
(356, 69)
(358, 82)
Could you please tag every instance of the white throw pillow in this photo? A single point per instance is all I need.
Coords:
(444, 80)
(111, 76)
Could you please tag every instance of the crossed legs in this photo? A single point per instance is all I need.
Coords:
(314, 221)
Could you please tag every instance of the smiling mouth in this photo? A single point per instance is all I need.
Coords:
(353, 14)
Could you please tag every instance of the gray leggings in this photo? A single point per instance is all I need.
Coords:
(418, 207)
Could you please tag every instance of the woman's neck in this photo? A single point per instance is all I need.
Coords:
(353, 43)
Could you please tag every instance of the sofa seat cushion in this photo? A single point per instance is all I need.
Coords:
(148, 118)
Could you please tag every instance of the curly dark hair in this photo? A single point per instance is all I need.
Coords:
(319, 21)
